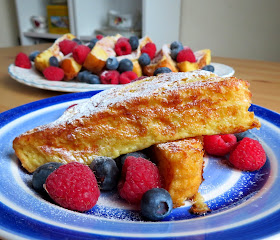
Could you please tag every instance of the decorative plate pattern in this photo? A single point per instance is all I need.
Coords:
(33, 78)
(242, 203)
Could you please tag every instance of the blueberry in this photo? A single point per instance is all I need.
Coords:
(134, 42)
(176, 45)
(174, 53)
(92, 79)
(88, 77)
(41, 173)
(134, 154)
(156, 204)
(106, 172)
(82, 76)
(91, 45)
(112, 63)
(77, 41)
(53, 61)
(125, 65)
(248, 134)
(209, 68)
(33, 55)
(175, 48)
(144, 59)
(92, 42)
(162, 70)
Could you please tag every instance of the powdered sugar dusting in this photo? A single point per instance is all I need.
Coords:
(147, 87)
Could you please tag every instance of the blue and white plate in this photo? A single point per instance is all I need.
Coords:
(245, 205)
(33, 78)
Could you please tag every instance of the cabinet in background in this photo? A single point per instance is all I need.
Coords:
(158, 19)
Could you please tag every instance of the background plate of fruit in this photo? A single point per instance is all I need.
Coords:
(242, 202)
(70, 65)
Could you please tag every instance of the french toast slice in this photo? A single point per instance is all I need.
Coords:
(42, 59)
(139, 114)
(203, 58)
(180, 165)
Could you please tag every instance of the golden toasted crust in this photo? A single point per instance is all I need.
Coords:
(203, 57)
(153, 110)
(42, 60)
(180, 165)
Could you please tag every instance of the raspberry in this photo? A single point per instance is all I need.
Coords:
(127, 77)
(122, 47)
(186, 55)
(80, 53)
(53, 73)
(219, 145)
(110, 77)
(66, 46)
(134, 154)
(73, 186)
(150, 48)
(248, 155)
(138, 176)
(99, 36)
(22, 61)
(123, 39)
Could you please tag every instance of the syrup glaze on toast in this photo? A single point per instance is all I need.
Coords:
(150, 111)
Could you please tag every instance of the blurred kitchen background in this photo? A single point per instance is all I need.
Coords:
(247, 29)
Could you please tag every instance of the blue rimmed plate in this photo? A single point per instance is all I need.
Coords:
(33, 78)
(243, 204)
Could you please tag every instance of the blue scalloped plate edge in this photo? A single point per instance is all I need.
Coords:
(269, 222)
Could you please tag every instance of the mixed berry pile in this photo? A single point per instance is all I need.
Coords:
(76, 186)
(244, 151)
(116, 71)
(137, 180)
